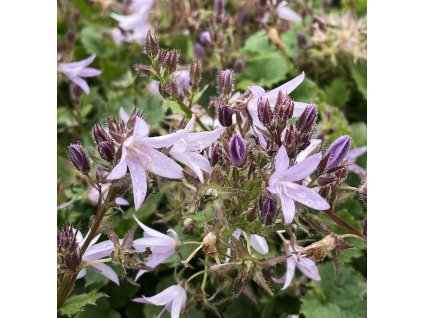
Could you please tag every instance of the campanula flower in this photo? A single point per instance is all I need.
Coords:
(286, 13)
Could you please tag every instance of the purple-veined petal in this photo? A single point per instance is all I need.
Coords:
(281, 161)
(168, 140)
(305, 196)
(98, 251)
(288, 209)
(139, 180)
(89, 72)
(121, 201)
(160, 164)
(81, 83)
(287, 13)
(257, 91)
(286, 88)
(308, 268)
(141, 128)
(313, 147)
(178, 303)
(259, 244)
(162, 298)
(123, 115)
(357, 152)
(200, 141)
(302, 169)
(120, 169)
(107, 272)
(290, 270)
(191, 159)
(148, 230)
(356, 169)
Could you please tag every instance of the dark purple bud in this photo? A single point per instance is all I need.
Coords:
(151, 44)
(265, 113)
(306, 121)
(239, 66)
(216, 155)
(335, 154)
(237, 150)
(301, 40)
(218, 6)
(79, 158)
(172, 60)
(268, 210)
(106, 150)
(143, 70)
(199, 51)
(225, 82)
(225, 115)
(319, 22)
(99, 134)
(76, 16)
(195, 74)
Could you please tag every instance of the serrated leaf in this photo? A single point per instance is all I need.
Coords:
(93, 42)
(337, 93)
(289, 40)
(174, 106)
(75, 304)
(337, 298)
(269, 69)
(199, 94)
(258, 43)
(359, 74)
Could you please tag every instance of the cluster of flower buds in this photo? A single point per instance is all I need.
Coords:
(268, 209)
(68, 248)
(275, 121)
(297, 137)
(105, 146)
(333, 167)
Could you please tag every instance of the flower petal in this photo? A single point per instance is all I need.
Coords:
(201, 140)
(287, 14)
(286, 88)
(302, 169)
(259, 244)
(98, 251)
(158, 163)
(82, 84)
(141, 128)
(306, 196)
(178, 303)
(147, 230)
(120, 169)
(162, 298)
(313, 147)
(281, 161)
(357, 152)
(257, 91)
(290, 270)
(107, 272)
(89, 72)
(308, 268)
(195, 161)
(139, 180)
(299, 108)
(123, 115)
(288, 208)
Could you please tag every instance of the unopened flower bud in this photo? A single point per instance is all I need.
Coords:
(225, 115)
(199, 51)
(99, 134)
(265, 113)
(79, 158)
(106, 150)
(301, 40)
(237, 150)
(218, 6)
(143, 70)
(268, 211)
(151, 44)
(205, 37)
(239, 66)
(306, 120)
(225, 82)
(172, 61)
(335, 154)
(319, 22)
(216, 155)
(195, 74)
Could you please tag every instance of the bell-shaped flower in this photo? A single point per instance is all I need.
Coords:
(286, 13)
(258, 243)
(352, 156)
(77, 70)
(296, 260)
(283, 183)
(162, 246)
(95, 252)
(139, 154)
(187, 150)
(173, 298)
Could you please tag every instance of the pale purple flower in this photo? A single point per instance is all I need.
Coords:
(173, 298)
(199, 51)
(258, 243)
(310, 150)
(283, 183)
(139, 154)
(95, 252)
(181, 78)
(352, 156)
(93, 195)
(205, 37)
(304, 264)
(76, 71)
(258, 92)
(187, 150)
(286, 13)
(162, 246)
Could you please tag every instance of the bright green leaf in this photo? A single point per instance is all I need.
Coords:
(77, 303)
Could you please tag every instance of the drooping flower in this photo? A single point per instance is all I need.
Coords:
(93, 195)
(95, 252)
(173, 298)
(352, 156)
(286, 13)
(187, 150)
(77, 70)
(304, 264)
(139, 154)
(283, 184)
(162, 246)
(259, 93)
(257, 242)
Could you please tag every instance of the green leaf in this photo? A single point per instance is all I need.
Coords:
(337, 298)
(358, 134)
(174, 106)
(199, 94)
(289, 40)
(77, 303)
(337, 93)
(258, 43)
(93, 42)
(152, 110)
(359, 74)
(102, 309)
(269, 68)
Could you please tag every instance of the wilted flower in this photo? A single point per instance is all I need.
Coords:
(237, 150)
(336, 153)
(139, 154)
(352, 156)
(286, 13)
(95, 252)
(304, 264)
(77, 70)
(187, 150)
(173, 298)
(257, 242)
(282, 183)
(162, 246)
